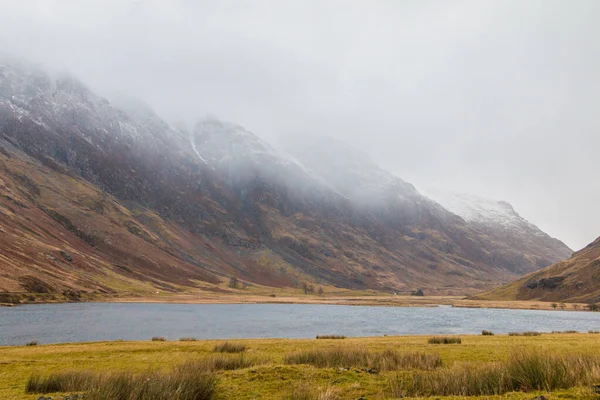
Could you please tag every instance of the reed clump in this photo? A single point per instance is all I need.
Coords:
(529, 371)
(527, 333)
(229, 347)
(348, 357)
(444, 340)
(331, 337)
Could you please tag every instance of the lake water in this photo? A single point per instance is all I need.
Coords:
(87, 322)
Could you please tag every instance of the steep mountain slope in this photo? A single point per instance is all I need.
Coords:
(576, 279)
(104, 199)
(487, 231)
(512, 236)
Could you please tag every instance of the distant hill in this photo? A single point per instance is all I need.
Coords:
(576, 279)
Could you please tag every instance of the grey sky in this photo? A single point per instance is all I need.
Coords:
(495, 98)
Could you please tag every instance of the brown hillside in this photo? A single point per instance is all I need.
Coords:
(95, 199)
(576, 279)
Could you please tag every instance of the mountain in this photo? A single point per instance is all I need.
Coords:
(108, 198)
(576, 279)
(513, 237)
(497, 235)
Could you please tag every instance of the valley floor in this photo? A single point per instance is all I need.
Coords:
(272, 378)
(284, 296)
(357, 298)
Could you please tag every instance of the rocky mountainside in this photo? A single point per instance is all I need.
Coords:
(576, 279)
(506, 229)
(111, 199)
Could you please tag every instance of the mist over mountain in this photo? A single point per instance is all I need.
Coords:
(112, 199)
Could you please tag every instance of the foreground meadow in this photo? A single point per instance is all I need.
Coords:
(560, 365)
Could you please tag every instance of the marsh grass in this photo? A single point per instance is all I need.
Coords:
(182, 383)
(525, 372)
(60, 382)
(229, 347)
(331, 337)
(222, 362)
(444, 340)
(190, 380)
(348, 357)
(527, 333)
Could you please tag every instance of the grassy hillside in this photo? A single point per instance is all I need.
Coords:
(270, 370)
(575, 280)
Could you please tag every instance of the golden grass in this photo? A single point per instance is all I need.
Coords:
(348, 357)
(189, 381)
(524, 372)
(229, 347)
(331, 337)
(527, 333)
(444, 340)
(267, 377)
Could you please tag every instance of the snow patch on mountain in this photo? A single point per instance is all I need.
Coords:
(484, 211)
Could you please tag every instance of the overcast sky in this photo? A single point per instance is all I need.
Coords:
(495, 98)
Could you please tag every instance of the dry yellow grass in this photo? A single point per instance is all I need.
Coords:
(271, 379)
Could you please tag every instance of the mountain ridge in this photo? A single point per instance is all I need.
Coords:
(150, 206)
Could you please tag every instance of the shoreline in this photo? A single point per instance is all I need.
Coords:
(356, 300)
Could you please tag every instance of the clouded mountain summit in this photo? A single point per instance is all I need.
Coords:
(109, 199)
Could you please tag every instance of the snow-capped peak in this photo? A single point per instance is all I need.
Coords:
(480, 210)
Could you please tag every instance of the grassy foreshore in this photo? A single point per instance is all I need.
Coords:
(268, 295)
(327, 369)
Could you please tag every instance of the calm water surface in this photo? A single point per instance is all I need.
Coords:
(86, 322)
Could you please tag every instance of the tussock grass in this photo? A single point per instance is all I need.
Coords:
(308, 392)
(182, 383)
(193, 380)
(229, 347)
(529, 371)
(487, 333)
(32, 343)
(159, 339)
(347, 357)
(222, 362)
(188, 339)
(527, 333)
(444, 340)
(60, 382)
(331, 337)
